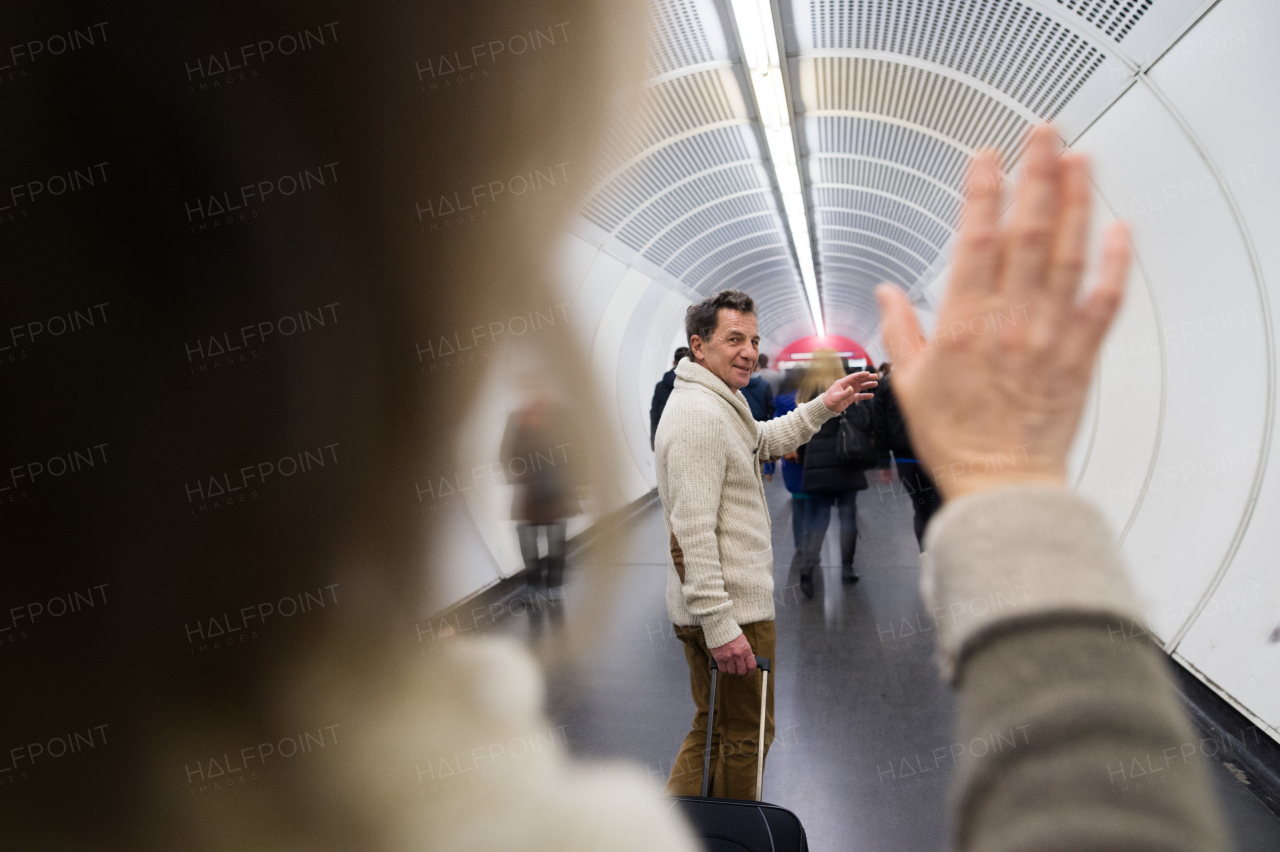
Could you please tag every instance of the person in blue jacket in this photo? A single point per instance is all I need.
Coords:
(792, 469)
(759, 395)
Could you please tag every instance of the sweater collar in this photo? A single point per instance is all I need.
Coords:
(695, 374)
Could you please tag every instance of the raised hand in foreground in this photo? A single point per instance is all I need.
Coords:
(996, 396)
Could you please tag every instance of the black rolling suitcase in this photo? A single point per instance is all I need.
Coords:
(735, 825)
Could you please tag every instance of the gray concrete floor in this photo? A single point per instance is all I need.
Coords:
(856, 687)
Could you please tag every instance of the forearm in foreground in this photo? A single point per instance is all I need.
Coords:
(1102, 758)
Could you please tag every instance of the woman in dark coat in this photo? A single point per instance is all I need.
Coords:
(826, 481)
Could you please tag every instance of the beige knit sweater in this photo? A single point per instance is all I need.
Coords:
(709, 452)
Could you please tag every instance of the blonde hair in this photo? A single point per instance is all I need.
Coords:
(824, 369)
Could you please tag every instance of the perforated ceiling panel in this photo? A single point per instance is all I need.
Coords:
(682, 182)
(1114, 17)
(895, 95)
(1002, 43)
(916, 97)
(677, 37)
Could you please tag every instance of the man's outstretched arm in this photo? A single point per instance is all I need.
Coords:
(783, 434)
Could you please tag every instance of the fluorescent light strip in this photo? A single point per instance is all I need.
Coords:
(754, 19)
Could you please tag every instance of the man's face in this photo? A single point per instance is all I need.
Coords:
(732, 351)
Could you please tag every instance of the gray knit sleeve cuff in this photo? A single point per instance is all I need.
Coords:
(1017, 554)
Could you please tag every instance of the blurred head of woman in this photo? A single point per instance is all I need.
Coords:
(824, 369)
(384, 397)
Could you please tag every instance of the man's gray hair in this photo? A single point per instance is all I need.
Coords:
(701, 319)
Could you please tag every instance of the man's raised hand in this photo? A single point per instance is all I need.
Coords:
(845, 392)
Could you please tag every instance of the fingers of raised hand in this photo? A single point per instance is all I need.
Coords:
(1093, 316)
(1072, 237)
(978, 254)
(901, 328)
(1036, 213)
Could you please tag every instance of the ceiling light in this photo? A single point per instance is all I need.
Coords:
(756, 34)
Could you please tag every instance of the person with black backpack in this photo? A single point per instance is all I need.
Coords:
(828, 480)
(889, 429)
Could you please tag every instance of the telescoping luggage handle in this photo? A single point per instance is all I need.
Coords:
(763, 664)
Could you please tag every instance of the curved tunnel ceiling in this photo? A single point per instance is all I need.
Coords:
(686, 184)
(889, 98)
(893, 97)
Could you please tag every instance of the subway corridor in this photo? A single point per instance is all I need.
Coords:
(864, 726)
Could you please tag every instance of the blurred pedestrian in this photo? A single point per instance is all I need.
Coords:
(661, 392)
(759, 395)
(827, 481)
(792, 469)
(770, 375)
(890, 430)
(539, 454)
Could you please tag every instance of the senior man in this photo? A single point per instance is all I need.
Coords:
(709, 451)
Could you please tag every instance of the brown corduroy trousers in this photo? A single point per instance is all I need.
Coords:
(737, 723)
